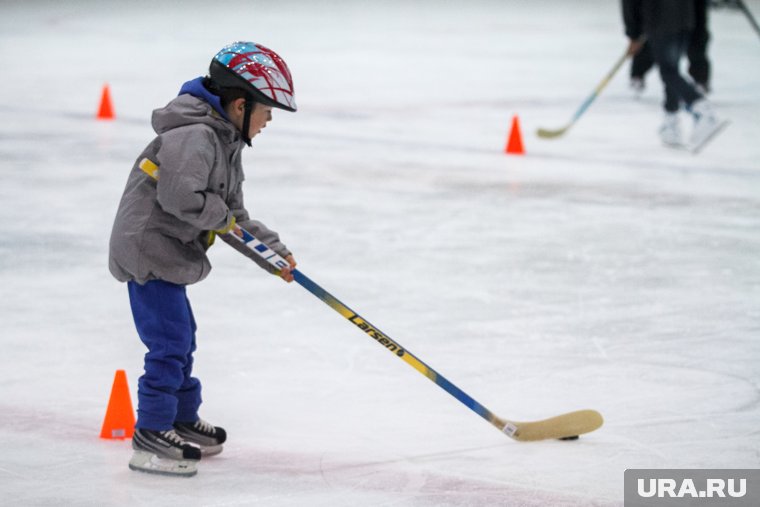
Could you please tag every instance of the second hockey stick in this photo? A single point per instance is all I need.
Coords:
(554, 133)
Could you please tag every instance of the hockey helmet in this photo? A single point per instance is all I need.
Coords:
(257, 70)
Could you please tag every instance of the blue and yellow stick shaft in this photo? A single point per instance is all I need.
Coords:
(550, 134)
(392, 346)
(565, 426)
(373, 331)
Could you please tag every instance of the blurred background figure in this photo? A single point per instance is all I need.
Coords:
(696, 53)
(667, 26)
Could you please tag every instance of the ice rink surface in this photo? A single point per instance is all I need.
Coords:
(600, 270)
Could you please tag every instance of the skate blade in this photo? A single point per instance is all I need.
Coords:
(143, 461)
(211, 450)
(697, 146)
(675, 146)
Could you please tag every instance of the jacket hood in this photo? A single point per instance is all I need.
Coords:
(195, 88)
(195, 104)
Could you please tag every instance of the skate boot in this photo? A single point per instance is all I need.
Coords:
(163, 452)
(670, 130)
(207, 436)
(706, 124)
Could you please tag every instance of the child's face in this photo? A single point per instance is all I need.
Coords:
(260, 116)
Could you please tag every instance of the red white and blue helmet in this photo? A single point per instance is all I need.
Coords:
(257, 70)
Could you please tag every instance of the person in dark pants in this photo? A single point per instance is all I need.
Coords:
(667, 25)
(696, 53)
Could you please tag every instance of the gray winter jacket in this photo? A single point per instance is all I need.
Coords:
(162, 227)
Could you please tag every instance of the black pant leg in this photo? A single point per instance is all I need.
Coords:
(668, 50)
(642, 61)
(699, 64)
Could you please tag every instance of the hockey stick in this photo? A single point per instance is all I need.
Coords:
(750, 17)
(565, 427)
(551, 134)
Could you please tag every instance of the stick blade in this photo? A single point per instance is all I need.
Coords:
(562, 426)
(550, 134)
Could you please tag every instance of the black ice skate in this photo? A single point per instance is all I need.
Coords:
(209, 437)
(163, 452)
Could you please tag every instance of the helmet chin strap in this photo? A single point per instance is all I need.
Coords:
(249, 103)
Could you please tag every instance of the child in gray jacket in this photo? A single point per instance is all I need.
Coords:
(184, 189)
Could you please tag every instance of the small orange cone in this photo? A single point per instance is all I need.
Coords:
(105, 111)
(514, 143)
(119, 422)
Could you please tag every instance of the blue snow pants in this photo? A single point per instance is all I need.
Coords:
(166, 392)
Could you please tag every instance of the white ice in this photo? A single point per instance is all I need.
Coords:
(600, 270)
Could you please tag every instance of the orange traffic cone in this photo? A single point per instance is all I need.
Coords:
(514, 143)
(119, 422)
(105, 111)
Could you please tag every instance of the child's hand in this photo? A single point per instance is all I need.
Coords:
(286, 272)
